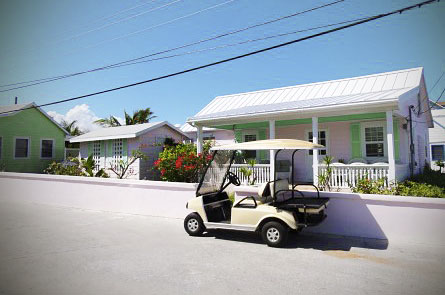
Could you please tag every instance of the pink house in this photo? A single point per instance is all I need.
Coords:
(110, 145)
(374, 126)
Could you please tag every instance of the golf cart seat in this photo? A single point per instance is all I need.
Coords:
(266, 190)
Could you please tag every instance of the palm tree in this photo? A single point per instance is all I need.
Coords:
(108, 122)
(139, 117)
(71, 128)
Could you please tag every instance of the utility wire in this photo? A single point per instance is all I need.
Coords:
(191, 52)
(123, 10)
(161, 24)
(121, 20)
(373, 18)
(50, 79)
(437, 81)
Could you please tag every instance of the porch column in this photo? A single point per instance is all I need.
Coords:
(315, 152)
(198, 139)
(390, 141)
(272, 153)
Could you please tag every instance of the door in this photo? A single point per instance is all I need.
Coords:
(308, 176)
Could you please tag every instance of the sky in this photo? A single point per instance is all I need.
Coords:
(46, 38)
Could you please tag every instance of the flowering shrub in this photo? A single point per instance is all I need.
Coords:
(181, 163)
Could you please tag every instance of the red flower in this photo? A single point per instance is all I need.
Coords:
(162, 171)
(209, 157)
(157, 162)
(178, 163)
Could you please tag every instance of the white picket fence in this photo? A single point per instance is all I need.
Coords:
(261, 172)
(344, 176)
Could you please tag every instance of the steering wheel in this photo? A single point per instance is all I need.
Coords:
(233, 179)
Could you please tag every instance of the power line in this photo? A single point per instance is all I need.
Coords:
(426, 98)
(191, 52)
(50, 79)
(162, 24)
(121, 20)
(238, 56)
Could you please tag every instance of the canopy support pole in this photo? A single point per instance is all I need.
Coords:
(272, 152)
(315, 152)
(199, 139)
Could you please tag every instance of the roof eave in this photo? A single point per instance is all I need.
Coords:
(76, 139)
(389, 104)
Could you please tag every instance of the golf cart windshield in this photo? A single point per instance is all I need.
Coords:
(215, 175)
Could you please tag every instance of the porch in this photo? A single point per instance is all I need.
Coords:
(363, 146)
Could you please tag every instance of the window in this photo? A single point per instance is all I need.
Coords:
(250, 154)
(21, 148)
(321, 140)
(438, 152)
(46, 148)
(210, 137)
(96, 155)
(374, 141)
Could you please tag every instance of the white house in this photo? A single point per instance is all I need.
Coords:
(363, 122)
(218, 136)
(110, 145)
(437, 137)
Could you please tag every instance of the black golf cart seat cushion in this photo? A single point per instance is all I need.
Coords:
(266, 190)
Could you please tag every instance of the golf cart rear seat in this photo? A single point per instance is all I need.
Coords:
(280, 188)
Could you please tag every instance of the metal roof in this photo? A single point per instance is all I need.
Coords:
(126, 131)
(364, 89)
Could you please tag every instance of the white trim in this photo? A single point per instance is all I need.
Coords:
(53, 149)
(369, 124)
(272, 133)
(29, 148)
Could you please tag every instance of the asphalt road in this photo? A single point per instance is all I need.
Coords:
(52, 250)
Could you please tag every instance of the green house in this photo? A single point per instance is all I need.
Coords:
(29, 139)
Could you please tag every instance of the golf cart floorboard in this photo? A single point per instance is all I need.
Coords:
(298, 203)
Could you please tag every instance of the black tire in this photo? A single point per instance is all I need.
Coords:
(193, 224)
(274, 234)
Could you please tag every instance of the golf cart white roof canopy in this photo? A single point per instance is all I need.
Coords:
(270, 144)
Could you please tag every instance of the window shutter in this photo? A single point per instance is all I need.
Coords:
(238, 136)
(109, 148)
(124, 149)
(102, 149)
(396, 139)
(356, 148)
(262, 136)
(90, 148)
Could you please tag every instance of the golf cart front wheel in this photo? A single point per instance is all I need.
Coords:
(274, 234)
(193, 224)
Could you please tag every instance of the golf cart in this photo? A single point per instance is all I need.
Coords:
(278, 207)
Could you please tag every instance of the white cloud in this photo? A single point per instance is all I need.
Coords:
(82, 114)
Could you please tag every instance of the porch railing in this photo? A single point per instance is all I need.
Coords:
(344, 176)
(260, 171)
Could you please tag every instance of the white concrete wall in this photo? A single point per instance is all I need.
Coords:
(392, 218)
(153, 198)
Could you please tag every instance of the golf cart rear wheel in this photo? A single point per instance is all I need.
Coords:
(193, 224)
(274, 234)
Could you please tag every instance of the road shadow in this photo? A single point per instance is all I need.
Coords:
(323, 242)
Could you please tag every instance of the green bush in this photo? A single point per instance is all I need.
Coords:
(430, 184)
(366, 186)
(416, 189)
(74, 167)
(181, 163)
